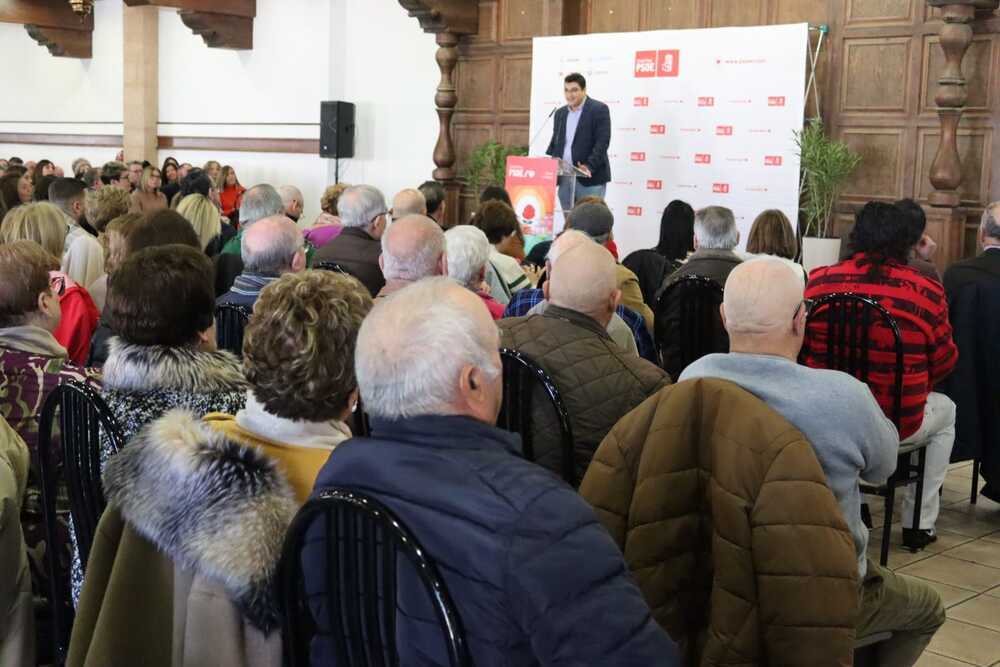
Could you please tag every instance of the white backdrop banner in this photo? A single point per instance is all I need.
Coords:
(705, 116)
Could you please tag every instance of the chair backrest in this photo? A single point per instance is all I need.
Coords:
(521, 377)
(329, 266)
(230, 321)
(84, 419)
(688, 324)
(363, 543)
(839, 336)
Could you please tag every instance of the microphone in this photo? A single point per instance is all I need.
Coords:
(544, 125)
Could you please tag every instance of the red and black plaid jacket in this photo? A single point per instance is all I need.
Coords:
(920, 309)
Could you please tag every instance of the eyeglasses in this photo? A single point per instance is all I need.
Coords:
(57, 284)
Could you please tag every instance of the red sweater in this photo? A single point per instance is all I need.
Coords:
(920, 309)
(77, 324)
(230, 198)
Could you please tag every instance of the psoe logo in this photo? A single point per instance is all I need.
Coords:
(706, 101)
(657, 129)
(640, 101)
(645, 63)
(776, 101)
(635, 210)
(654, 184)
(724, 130)
(720, 188)
(637, 156)
(772, 160)
(521, 172)
(703, 158)
(668, 62)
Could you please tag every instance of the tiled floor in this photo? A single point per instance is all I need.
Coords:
(964, 566)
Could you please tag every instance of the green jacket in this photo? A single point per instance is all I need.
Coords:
(232, 247)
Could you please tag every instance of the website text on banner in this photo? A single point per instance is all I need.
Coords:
(706, 116)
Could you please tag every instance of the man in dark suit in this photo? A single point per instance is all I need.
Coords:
(973, 290)
(580, 135)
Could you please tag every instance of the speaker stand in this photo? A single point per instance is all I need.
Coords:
(336, 171)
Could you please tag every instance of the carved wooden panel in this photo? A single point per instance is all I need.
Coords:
(521, 19)
(814, 12)
(489, 23)
(614, 15)
(515, 135)
(477, 84)
(879, 12)
(875, 74)
(467, 137)
(515, 82)
(879, 174)
(662, 14)
(745, 12)
(975, 152)
(978, 68)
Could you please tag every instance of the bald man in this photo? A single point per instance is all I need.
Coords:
(598, 380)
(292, 200)
(412, 248)
(269, 248)
(408, 202)
(765, 314)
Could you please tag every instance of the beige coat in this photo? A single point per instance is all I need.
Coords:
(17, 631)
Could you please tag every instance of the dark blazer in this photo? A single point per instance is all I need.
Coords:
(590, 143)
(535, 578)
(973, 290)
(357, 253)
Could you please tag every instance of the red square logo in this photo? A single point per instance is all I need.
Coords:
(657, 129)
(703, 158)
(635, 210)
(772, 160)
(654, 184)
(706, 101)
(724, 130)
(640, 101)
(776, 101)
(645, 63)
(638, 156)
(668, 62)
(720, 188)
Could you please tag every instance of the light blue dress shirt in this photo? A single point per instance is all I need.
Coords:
(572, 121)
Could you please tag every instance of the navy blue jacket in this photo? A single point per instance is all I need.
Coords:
(590, 143)
(534, 576)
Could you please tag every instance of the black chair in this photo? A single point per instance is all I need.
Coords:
(360, 425)
(363, 544)
(849, 320)
(521, 376)
(330, 266)
(73, 459)
(230, 321)
(688, 324)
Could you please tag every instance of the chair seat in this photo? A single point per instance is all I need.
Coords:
(912, 447)
(870, 640)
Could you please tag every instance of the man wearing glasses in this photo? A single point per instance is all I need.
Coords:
(356, 250)
(764, 312)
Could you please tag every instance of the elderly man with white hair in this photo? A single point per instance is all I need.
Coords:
(529, 568)
(412, 248)
(468, 258)
(292, 200)
(598, 380)
(356, 249)
(271, 248)
(408, 202)
(715, 236)
(765, 314)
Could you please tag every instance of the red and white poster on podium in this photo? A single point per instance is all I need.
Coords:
(531, 184)
(705, 116)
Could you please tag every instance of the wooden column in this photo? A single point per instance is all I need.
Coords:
(141, 94)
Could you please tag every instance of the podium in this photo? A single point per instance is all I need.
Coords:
(533, 186)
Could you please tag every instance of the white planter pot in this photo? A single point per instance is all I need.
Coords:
(818, 252)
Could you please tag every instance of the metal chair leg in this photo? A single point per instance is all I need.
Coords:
(921, 469)
(890, 500)
(975, 482)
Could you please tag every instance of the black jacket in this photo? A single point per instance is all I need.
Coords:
(357, 253)
(590, 143)
(651, 268)
(535, 578)
(973, 290)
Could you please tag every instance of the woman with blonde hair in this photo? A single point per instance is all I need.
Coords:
(40, 222)
(214, 170)
(203, 216)
(147, 198)
(327, 226)
(113, 238)
(772, 234)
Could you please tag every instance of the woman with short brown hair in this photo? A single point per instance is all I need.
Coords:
(772, 234)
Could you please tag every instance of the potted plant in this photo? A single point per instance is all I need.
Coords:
(826, 165)
(487, 165)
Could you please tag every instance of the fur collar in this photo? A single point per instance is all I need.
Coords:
(216, 507)
(132, 368)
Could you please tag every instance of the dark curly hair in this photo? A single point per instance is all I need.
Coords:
(298, 348)
(881, 232)
(676, 230)
(916, 219)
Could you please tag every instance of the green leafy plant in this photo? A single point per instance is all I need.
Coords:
(826, 165)
(487, 165)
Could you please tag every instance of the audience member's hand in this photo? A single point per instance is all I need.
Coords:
(926, 247)
(533, 272)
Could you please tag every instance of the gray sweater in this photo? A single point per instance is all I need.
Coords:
(851, 435)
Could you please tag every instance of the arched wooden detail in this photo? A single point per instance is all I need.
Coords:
(222, 24)
(53, 25)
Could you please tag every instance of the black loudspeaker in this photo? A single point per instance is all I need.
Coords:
(336, 129)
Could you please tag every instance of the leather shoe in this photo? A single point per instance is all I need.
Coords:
(915, 540)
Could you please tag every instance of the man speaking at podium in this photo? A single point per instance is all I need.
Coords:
(580, 135)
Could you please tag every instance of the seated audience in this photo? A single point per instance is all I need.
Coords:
(104, 205)
(973, 290)
(499, 222)
(494, 193)
(524, 560)
(41, 189)
(115, 175)
(434, 196)
(231, 192)
(42, 169)
(83, 256)
(17, 632)
(653, 265)
(135, 168)
(114, 238)
(195, 182)
(172, 176)
(91, 178)
(271, 247)
(204, 217)
(468, 255)
(582, 295)
(169, 171)
(79, 166)
(715, 236)
(878, 270)
(147, 198)
(357, 248)
(922, 246)
(408, 202)
(327, 225)
(258, 202)
(16, 188)
(852, 438)
(292, 200)
(213, 169)
(772, 234)
(412, 248)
